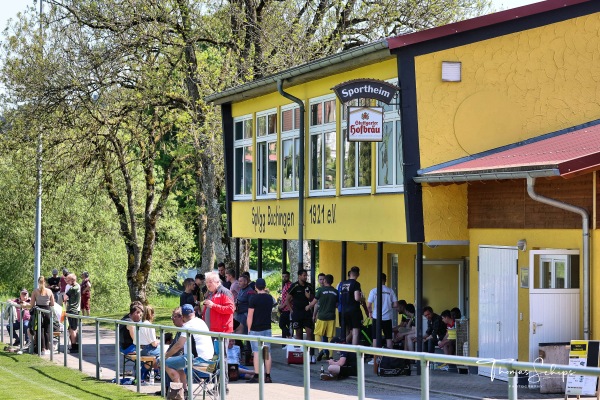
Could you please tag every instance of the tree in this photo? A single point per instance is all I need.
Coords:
(119, 90)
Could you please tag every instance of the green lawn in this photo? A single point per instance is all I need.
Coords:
(28, 376)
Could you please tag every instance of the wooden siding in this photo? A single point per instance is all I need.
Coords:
(506, 204)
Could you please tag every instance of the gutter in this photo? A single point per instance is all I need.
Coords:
(300, 173)
(586, 247)
(485, 176)
(327, 66)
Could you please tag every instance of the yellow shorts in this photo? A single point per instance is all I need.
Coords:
(325, 328)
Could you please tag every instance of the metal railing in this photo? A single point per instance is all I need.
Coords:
(513, 368)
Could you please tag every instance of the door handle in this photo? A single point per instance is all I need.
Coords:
(535, 325)
(499, 323)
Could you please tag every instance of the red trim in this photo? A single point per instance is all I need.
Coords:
(480, 22)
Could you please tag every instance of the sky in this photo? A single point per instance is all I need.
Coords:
(10, 8)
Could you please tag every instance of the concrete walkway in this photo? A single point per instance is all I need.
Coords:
(288, 380)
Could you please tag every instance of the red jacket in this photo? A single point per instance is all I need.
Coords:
(221, 313)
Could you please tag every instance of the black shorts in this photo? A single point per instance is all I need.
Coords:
(347, 370)
(353, 319)
(73, 324)
(302, 321)
(386, 327)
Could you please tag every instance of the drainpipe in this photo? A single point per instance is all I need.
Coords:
(300, 174)
(586, 247)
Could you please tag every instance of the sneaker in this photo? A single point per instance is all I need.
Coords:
(320, 356)
(268, 379)
(372, 362)
(327, 377)
(313, 359)
(253, 380)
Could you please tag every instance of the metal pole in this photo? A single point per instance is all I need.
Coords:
(65, 334)
(138, 365)
(343, 278)
(419, 308)
(38, 318)
(51, 334)
(306, 371)
(513, 380)
(79, 347)
(98, 367)
(223, 367)
(190, 368)
(424, 366)
(261, 371)
(284, 255)
(379, 294)
(259, 256)
(117, 355)
(300, 173)
(38, 202)
(313, 262)
(360, 372)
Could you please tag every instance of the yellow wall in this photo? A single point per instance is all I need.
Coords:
(350, 218)
(513, 87)
(445, 212)
(536, 239)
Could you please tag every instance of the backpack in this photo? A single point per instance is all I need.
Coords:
(392, 366)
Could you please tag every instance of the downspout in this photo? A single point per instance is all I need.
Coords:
(586, 247)
(300, 174)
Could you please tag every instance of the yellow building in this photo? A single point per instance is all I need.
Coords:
(487, 168)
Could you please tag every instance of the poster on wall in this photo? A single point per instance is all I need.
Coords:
(580, 385)
(365, 124)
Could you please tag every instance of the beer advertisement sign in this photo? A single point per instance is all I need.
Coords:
(365, 124)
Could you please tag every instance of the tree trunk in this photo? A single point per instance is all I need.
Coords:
(293, 249)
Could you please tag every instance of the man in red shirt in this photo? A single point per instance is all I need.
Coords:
(284, 310)
(219, 306)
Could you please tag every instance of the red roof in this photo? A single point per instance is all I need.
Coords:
(565, 155)
(479, 22)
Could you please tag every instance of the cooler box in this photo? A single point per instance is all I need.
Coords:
(293, 354)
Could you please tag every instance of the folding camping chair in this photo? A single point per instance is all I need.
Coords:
(206, 375)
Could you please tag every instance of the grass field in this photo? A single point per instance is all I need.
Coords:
(29, 376)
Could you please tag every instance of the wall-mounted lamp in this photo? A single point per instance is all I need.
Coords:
(522, 244)
(451, 71)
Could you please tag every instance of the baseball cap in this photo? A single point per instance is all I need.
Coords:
(260, 283)
(187, 309)
(65, 271)
(54, 271)
(24, 291)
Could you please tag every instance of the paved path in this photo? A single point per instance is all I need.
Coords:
(288, 381)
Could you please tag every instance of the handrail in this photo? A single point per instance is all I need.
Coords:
(513, 367)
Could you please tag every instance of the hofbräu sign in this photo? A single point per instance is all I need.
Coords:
(365, 124)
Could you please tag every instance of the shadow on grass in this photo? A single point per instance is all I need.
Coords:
(84, 381)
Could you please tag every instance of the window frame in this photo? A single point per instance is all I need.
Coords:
(391, 115)
(244, 143)
(293, 135)
(322, 130)
(356, 189)
(268, 138)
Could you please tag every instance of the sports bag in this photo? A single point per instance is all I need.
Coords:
(392, 366)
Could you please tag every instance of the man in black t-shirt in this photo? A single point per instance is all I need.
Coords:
(54, 283)
(345, 366)
(259, 324)
(298, 299)
(127, 332)
(187, 297)
(350, 295)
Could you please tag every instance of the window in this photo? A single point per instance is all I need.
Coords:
(242, 157)
(356, 156)
(557, 272)
(290, 150)
(389, 151)
(266, 144)
(322, 145)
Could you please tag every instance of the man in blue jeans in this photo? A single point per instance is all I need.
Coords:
(259, 324)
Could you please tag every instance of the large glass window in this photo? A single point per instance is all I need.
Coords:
(242, 157)
(389, 150)
(356, 160)
(290, 149)
(322, 145)
(557, 272)
(266, 144)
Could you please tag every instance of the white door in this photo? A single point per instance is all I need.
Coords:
(498, 308)
(554, 314)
